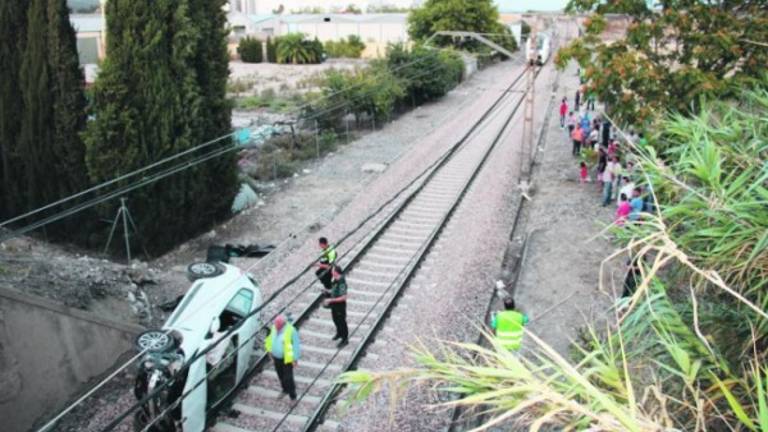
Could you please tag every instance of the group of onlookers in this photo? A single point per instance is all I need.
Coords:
(603, 154)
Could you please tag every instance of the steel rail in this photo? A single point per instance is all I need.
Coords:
(330, 396)
(312, 307)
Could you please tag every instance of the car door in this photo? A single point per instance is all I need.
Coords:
(242, 304)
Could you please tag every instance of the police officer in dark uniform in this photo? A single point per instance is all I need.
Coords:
(337, 302)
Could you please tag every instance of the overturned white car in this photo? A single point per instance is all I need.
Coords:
(222, 297)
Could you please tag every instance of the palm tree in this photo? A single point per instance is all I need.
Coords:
(291, 48)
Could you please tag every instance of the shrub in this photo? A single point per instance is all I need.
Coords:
(428, 74)
(250, 50)
(293, 48)
(271, 50)
(351, 47)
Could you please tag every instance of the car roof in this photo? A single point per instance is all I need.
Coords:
(206, 299)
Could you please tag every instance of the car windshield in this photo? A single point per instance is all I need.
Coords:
(241, 303)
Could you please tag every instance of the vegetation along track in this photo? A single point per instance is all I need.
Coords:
(378, 269)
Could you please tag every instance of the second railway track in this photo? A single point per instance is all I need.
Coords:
(378, 268)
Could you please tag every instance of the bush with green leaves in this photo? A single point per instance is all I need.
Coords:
(402, 79)
(428, 74)
(351, 47)
(250, 50)
(271, 50)
(295, 48)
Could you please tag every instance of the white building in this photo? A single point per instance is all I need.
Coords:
(376, 30)
(265, 7)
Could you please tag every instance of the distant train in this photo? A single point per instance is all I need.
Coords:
(541, 53)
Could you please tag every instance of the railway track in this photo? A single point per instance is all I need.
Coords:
(378, 268)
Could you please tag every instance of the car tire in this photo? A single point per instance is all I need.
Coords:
(155, 341)
(203, 270)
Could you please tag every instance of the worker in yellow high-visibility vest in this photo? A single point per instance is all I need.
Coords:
(508, 325)
(284, 347)
(327, 260)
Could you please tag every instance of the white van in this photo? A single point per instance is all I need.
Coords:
(221, 297)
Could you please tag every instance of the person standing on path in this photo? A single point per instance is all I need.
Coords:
(612, 170)
(284, 347)
(571, 122)
(591, 100)
(508, 325)
(327, 260)
(577, 99)
(563, 112)
(578, 137)
(337, 301)
(623, 210)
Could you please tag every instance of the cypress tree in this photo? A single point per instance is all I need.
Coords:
(50, 149)
(37, 116)
(13, 18)
(68, 172)
(150, 103)
(211, 64)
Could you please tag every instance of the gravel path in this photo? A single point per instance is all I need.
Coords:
(565, 247)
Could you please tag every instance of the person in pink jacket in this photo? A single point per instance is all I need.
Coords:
(563, 112)
(622, 212)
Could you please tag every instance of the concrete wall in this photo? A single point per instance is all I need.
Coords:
(48, 355)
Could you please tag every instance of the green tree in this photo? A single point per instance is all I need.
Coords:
(294, 48)
(670, 57)
(351, 47)
(427, 74)
(250, 50)
(13, 19)
(53, 114)
(525, 29)
(211, 62)
(480, 16)
(160, 92)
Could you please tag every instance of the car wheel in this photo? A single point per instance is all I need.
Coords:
(155, 341)
(202, 270)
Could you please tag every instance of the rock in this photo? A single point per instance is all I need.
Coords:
(373, 167)
(295, 175)
(260, 203)
(306, 171)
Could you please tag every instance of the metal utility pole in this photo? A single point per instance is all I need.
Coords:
(527, 145)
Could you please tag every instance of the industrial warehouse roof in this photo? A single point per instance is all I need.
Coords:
(348, 18)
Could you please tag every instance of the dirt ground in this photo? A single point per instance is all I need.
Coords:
(558, 284)
(281, 77)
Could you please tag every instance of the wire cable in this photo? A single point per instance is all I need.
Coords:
(183, 153)
(294, 279)
(144, 181)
